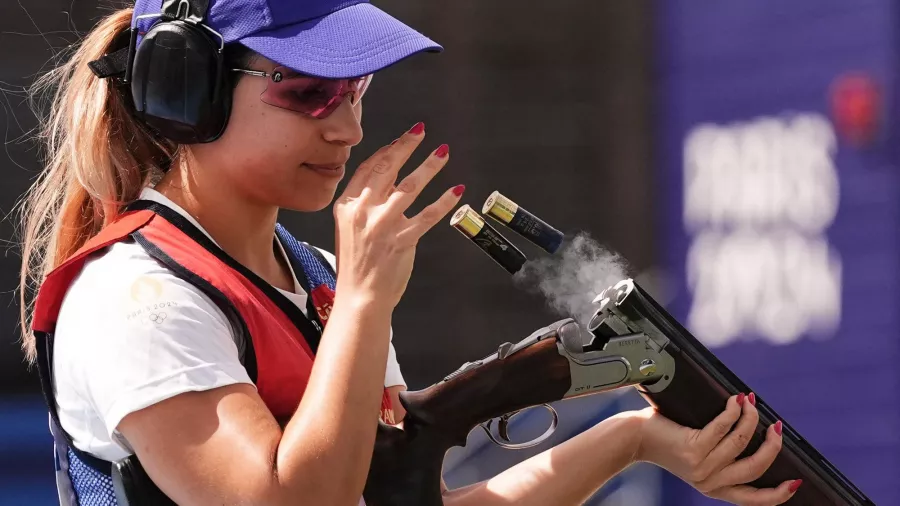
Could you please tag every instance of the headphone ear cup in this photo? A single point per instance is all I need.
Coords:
(177, 83)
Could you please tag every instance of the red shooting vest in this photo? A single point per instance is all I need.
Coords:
(280, 340)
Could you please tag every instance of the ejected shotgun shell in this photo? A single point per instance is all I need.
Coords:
(486, 237)
(523, 222)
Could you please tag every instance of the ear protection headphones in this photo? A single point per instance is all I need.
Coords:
(176, 74)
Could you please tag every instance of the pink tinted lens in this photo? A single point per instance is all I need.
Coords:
(311, 95)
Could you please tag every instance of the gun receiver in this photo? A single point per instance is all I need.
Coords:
(630, 341)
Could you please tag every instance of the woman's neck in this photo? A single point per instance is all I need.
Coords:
(242, 228)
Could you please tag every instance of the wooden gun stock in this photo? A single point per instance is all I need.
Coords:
(406, 464)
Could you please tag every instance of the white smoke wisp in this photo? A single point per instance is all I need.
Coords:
(574, 276)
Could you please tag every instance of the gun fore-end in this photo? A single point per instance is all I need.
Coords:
(698, 388)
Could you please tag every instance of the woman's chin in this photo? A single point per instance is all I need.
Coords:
(311, 202)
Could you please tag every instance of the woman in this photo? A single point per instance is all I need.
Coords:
(179, 322)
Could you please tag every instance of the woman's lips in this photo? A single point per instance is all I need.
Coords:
(328, 170)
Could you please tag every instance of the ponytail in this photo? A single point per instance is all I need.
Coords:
(97, 157)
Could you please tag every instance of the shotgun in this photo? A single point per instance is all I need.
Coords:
(630, 341)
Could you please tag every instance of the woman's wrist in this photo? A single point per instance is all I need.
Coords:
(642, 418)
(634, 428)
(360, 300)
(365, 311)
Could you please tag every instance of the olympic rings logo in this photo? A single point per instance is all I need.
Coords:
(157, 318)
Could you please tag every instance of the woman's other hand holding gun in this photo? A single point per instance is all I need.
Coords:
(707, 459)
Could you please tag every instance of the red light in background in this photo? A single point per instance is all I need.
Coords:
(856, 108)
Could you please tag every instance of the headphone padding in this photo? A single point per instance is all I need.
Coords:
(177, 69)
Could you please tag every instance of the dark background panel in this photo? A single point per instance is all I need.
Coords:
(32, 38)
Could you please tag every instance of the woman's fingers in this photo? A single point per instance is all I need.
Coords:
(384, 169)
(749, 468)
(379, 173)
(361, 176)
(749, 496)
(431, 215)
(411, 186)
(712, 434)
(734, 443)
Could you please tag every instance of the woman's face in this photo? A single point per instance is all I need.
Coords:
(279, 157)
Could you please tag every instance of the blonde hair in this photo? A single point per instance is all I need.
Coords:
(97, 157)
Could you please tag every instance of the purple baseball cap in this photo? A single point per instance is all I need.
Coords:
(334, 39)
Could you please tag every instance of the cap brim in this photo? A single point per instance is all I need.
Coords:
(351, 42)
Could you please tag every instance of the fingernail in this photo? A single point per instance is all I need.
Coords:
(752, 398)
(395, 142)
(795, 485)
(459, 189)
(778, 427)
(442, 151)
(417, 128)
(740, 399)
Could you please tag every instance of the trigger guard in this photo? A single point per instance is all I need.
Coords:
(504, 421)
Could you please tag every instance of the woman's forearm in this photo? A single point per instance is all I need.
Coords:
(567, 474)
(328, 443)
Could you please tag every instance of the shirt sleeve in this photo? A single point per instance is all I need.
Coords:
(137, 334)
(392, 375)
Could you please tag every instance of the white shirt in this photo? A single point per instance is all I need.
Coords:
(130, 334)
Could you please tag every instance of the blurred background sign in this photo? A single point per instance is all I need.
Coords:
(779, 199)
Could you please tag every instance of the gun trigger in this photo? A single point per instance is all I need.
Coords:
(502, 425)
(503, 350)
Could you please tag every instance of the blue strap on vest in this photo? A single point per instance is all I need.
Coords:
(80, 481)
(313, 265)
(92, 487)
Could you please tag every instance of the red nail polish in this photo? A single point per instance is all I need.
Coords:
(395, 142)
(778, 427)
(740, 399)
(417, 128)
(752, 398)
(458, 190)
(442, 151)
(795, 485)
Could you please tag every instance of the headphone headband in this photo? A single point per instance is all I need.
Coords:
(118, 62)
(192, 11)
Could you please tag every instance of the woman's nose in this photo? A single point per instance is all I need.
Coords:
(343, 125)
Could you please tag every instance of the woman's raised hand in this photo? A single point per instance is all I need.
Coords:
(375, 241)
(707, 458)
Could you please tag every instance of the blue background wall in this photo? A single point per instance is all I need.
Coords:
(732, 66)
(26, 453)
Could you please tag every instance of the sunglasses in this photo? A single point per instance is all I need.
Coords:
(313, 96)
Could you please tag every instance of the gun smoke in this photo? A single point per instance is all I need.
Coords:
(574, 276)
